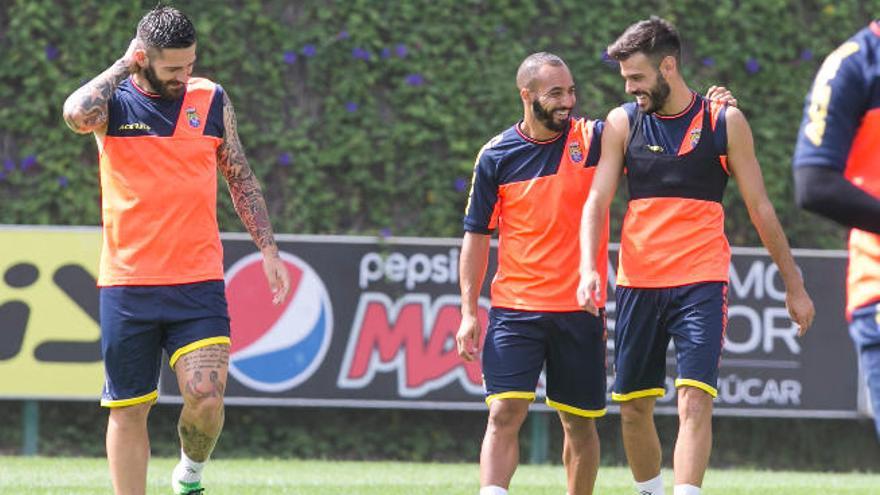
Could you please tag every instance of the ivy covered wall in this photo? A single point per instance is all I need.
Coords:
(364, 117)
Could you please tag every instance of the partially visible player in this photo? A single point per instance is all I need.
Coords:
(162, 135)
(837, 175)
(679, 150)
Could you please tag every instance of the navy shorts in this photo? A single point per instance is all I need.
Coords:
(572, 344)
(695, 318)
(138, 322)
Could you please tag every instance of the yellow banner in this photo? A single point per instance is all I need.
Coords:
(49, 333)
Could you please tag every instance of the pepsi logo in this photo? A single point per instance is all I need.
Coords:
(275, 348)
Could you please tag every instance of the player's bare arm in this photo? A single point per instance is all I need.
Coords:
(472, 270)
(247, 198)
(745, 169)
(595, 210)
(85, 110)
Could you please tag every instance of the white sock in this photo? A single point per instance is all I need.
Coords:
(188, 470)
(653, 486)
(492, 490)
(687, 490)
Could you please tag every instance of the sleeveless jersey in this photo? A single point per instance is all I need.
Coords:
(676, 170)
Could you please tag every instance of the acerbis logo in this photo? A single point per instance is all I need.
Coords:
(276, 348)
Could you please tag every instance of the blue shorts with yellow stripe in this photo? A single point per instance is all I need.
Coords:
(572, 345)
(693, 316)
(138, 322)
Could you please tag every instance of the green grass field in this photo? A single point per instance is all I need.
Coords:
(69, 476)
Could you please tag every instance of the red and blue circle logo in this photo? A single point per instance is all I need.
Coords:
(275, 348)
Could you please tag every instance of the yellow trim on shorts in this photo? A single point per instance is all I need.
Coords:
(150, 397)
(687, 382)
(510, 395)
(638, 394)
(586, 413)
(197, 345)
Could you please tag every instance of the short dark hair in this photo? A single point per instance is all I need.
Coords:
(166, 27)
(528, 69)
(654, 37)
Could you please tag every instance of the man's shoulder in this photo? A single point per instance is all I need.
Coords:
(500, 145)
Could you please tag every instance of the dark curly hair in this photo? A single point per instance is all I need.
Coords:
(166, 27)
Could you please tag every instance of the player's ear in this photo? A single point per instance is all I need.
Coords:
(141, 57)
(524, 95)
(668, 65)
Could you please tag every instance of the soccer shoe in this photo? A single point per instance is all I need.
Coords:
(184, 488)
(181, 487)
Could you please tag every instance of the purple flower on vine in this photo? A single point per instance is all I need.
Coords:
(752, 65)
(709, 62)
(28, 162)
(806, 54)
(400, 50)
(360, 53)
(309, 50)
(62, 181)
(289, 57)
(415, 79)
(284, 159)
(52, 52)
(8, 165)
(351, 107)
(607, 60)
(460, 184)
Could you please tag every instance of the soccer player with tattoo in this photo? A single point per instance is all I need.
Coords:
(161, 136)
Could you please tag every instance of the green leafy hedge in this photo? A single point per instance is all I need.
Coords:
(364, 117)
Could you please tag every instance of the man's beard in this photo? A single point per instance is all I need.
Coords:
(545, 117)
(170, 90)
(657, 95)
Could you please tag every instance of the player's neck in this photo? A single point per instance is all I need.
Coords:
(680, 98)
(141, 82)
(533, 129)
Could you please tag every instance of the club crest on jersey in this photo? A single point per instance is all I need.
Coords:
(575, 152)
(192, 116)
(695, 136)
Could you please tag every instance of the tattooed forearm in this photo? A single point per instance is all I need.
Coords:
(86, 109)
(247, 196)
(197, 444)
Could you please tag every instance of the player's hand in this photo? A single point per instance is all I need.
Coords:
(468, 337)
(800, 308)
(721, 94)
(588, 292)
(128, 58)
(278, 277)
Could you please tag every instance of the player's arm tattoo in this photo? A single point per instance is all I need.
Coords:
(247, 196)
(85, 110)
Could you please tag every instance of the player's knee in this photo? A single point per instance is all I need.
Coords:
(579, 430)
(636, 411)
(694, 404)
(506, 415)
(130, 416)
(205, 407)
